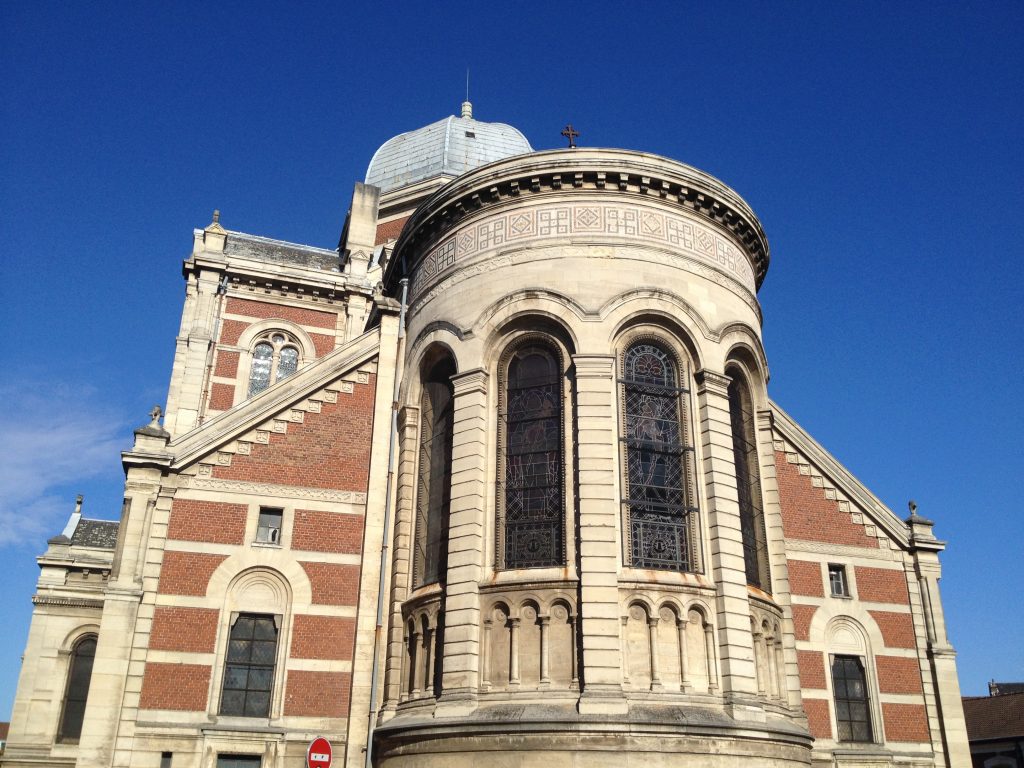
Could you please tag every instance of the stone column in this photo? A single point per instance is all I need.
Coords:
(684, 662)
(652, 639)
(461, 666)
(724, 561)
(513, 643)
(598, 558)
(544, 621)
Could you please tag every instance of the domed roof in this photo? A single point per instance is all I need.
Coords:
(449, 147)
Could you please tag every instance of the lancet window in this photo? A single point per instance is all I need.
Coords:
(748, 481)
(274, 357)
(79, 676)
(435, 474)
(530, 470)
(659, 498)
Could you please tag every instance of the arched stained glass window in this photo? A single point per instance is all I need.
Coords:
(77, 692)
(435, 474)
(259, 373)
(530, 470)
(273, 358)
(660, 506)
(748, 481)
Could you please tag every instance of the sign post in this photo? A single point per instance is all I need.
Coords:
(319, 753)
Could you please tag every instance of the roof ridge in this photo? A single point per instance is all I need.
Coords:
(264, 239)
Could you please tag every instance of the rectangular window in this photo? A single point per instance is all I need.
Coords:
(239, 761)
(249, 667)
(165, 759)
(853, 716)
(268, 530)
(837, 580)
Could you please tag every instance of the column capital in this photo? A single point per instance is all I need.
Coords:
(467, 382)
(594, 366)
(712, 382)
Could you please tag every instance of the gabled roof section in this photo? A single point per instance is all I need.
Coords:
(100, 534)
(232, 423)
(791, 437)
(280, 251)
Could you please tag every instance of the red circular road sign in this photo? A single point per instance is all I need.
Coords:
(319, 753)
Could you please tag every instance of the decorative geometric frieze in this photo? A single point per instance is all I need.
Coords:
(632, 222)
(271, 490)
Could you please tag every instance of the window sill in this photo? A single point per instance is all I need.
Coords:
(267, 545)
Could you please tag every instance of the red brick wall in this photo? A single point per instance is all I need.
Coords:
(897, 628)
(187, 573)
(905, 722)
(805, 578)
(802, 615)
(211, 521)
(222, 396)
(808, 515)
(322, 343)
(230, 330)
(898, 675)
(322, 637)
(818, 720)
(264, 310)
(175, 686)
(184, 629)
(812, 669)
(327, 532)
(317, 694)
(227, 363)
(332, 583)
(881, 585)
(389, 230)
(330, 449)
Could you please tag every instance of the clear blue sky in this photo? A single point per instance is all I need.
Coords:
(880, 144)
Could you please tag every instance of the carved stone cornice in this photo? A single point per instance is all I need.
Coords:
(594, 366)
(66, 602)
(473, 380)
(596, 171)
(709, 381)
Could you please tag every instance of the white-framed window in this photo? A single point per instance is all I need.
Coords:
(837, 582)
(268, 527)
(275, 356)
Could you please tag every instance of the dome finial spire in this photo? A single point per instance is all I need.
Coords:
(467, 107)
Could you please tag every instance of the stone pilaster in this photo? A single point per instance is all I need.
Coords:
(601, 661)
(466, 543)
(724, 560)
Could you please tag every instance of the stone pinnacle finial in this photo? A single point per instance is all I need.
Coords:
(216, 216)
(467, 109)
(78, 504)
(155, 415)
(912, 505)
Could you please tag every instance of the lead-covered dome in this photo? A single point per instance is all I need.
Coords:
(449, 147)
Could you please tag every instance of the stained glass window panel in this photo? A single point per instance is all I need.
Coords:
(287, 363)
(533, 508)
(259, 373)
(658, 507)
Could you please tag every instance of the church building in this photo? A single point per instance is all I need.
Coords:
(496, 481)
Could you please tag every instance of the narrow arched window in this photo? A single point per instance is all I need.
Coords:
(659, 498)
(531, 515)
(435, 474)
(79, 676)
(748, 481)
(274, 357)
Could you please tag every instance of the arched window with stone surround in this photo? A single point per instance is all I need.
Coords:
(433, 498)
(748, 480)
(77, 691)
(659, 498)
(531, 515)
(275, 356)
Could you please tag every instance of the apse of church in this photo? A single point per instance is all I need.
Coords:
(499, 479)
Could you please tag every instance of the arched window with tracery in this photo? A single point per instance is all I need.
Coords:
(531, 516)
(433, 499)
(274, 357)
(659, 497)
(748, 481)
(77, 692)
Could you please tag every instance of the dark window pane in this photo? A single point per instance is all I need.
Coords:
(79, 677)
(660, 513)
(748, 482)
(249, 677)
(532, 457)
(430, 560)
(853, 715)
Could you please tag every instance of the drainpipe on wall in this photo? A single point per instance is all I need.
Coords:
(399, 366)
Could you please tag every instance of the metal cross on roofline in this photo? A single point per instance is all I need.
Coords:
(570, 133)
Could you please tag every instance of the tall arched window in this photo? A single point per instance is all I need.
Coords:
(77, 692)
(659, 497)
(530, 469)
(274, 357)
(748, 481)
(435, 474)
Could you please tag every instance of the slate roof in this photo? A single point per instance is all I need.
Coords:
(101, 534)
(280, 252)
(994, 717)
(995, 688)
(449, 147)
